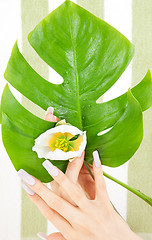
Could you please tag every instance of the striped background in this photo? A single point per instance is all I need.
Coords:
(19, 219)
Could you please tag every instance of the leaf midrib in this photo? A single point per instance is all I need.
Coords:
(77, 79)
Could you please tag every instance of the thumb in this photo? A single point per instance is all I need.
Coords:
(49, 115)
(53, 236)
(74, 167)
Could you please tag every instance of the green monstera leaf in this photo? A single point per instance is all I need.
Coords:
(90, 55)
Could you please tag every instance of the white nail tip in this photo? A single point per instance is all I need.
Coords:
(42, 236)
(50, 110)
(26, 177)
(52, 170)
(27, 189)
(96, 159)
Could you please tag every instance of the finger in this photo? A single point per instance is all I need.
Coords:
(53, 236)
(100, 186)
(47, 212)
(74, 167)
(60, 192)
(55, 187)
(64, 208)
(56, 236)
(72, 173)
(42, 236)
(74, 191)
(87, 182)
(49, 115)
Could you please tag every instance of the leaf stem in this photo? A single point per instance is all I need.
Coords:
(129, 188)
(89, 170)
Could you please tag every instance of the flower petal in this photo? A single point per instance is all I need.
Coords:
(42, 143)
(41, 151)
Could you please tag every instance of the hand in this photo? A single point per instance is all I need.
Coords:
(76, 171)
(88, 219)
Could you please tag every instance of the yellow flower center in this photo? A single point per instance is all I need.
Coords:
(62, 143)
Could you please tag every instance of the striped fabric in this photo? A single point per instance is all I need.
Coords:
(19, 218)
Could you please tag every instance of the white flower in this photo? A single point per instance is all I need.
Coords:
(54, 144)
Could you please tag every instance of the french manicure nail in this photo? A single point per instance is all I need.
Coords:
(26, 177)
(96, 159)
(50, 110)
(42, 236)
(52, 170)
(27, 189)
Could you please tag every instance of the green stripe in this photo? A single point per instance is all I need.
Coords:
(32, 11)
(139, 214)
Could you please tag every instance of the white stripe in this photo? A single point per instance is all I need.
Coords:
(53, 4)
(146, 236)
(118, 13)
(10, 190)
(54, 77)
(10, 14)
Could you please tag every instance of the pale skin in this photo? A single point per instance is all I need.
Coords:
(77, 205)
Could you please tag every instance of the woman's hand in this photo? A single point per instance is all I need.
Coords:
(86, 219)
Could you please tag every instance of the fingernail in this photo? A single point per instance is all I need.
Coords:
(26, 177)
(96, 159)
(27, 189)
(42, 236)
(50, 110)
(52, 170)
